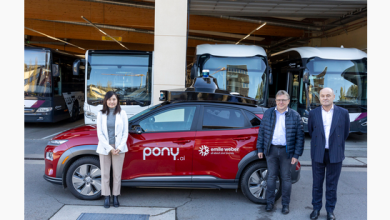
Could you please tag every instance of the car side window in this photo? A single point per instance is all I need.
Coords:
(252, 119)
(172, 119)
(222, 118)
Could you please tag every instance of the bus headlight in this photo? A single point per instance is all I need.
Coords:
(305, 120)
(46, 109)
(90, 115)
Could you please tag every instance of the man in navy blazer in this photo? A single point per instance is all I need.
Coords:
(329, 128)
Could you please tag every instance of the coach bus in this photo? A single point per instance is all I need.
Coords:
(240, 69)
(53, 85)
(128, 73)
(304, 71)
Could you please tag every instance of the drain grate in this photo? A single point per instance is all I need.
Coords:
(105, 216)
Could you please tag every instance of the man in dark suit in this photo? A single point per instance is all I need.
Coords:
(329, 128)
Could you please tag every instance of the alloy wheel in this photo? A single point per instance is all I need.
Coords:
(86, 179)
(257, 183)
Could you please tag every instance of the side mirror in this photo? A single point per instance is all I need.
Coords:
(76, 67)
(305, 76)
(194, 70)
(270, 78)
(54, 70)
(136, 129)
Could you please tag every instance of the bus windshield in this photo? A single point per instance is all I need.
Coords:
(37, 77)
(129, 76)
(243, 75)
(347, 78)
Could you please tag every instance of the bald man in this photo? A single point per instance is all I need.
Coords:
(328, 128)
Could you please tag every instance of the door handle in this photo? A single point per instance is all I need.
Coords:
(181, 141)
(241, 138)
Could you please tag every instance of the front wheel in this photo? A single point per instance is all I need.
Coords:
(254, 183)
(83, 178)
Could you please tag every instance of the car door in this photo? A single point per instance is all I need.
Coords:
(164, 148)
(224, 137)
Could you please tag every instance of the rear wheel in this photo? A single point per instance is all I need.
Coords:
(83, 178)
(254, 183)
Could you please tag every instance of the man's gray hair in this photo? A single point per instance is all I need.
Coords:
(282, 92)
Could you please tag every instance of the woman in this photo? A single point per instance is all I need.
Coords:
(112, 130)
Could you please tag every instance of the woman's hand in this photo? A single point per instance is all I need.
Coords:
(114, 152)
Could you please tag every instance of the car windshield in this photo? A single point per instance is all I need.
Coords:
(347, 78)
(145, 111)
(37, 77)
(127, 75)
(243, 75)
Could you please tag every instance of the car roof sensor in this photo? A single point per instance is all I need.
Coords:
(204, 89)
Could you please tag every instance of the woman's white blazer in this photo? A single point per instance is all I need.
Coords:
(121, 133)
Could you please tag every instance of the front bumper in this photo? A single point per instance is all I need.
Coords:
(37, 117)
(57, 181)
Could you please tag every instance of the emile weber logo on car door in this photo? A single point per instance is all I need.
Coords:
(204, 150)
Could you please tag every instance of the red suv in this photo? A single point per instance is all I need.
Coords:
(198, 144)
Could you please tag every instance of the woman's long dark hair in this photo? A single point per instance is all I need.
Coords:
(106, 109)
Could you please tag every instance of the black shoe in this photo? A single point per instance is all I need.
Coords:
(269, 207)
(116, 201)
(285, 209)
(106, 201)
(331, 216)
(315, 214)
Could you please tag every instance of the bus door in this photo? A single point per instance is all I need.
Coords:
(293, 88)
(60, 111)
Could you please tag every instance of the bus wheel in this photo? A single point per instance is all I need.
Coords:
(83, 178)
(75, 112)
(254, 183)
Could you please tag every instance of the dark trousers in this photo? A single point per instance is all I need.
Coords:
(332, 171)
(278, 159)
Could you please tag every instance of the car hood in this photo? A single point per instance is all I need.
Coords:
(82, 131)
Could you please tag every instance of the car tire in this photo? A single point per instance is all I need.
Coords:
(254, 184)
(83, 178)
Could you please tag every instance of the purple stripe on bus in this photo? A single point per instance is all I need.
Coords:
(38, 104)
(361, 116)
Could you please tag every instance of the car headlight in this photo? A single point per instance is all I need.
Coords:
(56, 142)
(46, 109)
(49, 155)
(305, 120)
(90, 115)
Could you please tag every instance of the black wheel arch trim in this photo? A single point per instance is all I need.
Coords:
(73, 154)
(245, 161)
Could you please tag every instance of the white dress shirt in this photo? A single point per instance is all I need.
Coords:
(279, 137)
(327, 121)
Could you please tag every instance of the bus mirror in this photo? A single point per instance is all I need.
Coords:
(270, 78)
(305, 76)
(76, 67)
(54, 70)
(194, 70)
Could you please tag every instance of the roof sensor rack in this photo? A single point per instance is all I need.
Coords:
(204, 89)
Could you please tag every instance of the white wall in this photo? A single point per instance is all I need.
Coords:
(170, 45)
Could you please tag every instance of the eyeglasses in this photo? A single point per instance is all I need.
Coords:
(281, 100)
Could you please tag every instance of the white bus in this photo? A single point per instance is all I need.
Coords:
(239, 69)
(304, 71)
(127, 73)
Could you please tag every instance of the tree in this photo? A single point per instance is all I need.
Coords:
(342, 94)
